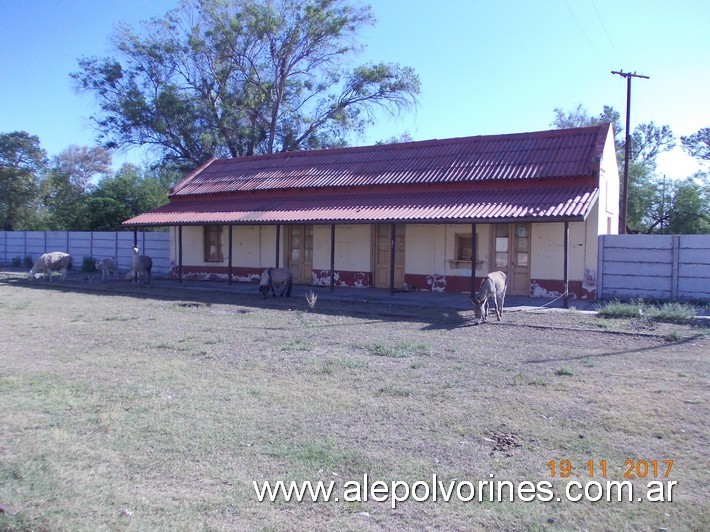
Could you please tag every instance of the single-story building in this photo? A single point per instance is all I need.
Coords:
(434, 215)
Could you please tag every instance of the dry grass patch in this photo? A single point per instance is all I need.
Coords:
(147, 410)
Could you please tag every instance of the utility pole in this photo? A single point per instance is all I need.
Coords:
(627, 146)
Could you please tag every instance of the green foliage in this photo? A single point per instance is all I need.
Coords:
(698, 144)
(128, 193)
(64, 195)
(637, 308)
(655, 205)
(242, 77)
(88, 264)
(21, 161)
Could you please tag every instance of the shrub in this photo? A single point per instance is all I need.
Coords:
(88, 264)
(670, 312)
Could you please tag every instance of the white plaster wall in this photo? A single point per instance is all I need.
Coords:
(547, 250)
(429, 248)
(254, 246)
(193, 246)
(421, 255)
(594, 224)
(353, 247)
(608, 212)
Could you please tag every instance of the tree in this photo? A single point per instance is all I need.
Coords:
(688, 211)
(65, 187)
(241, 77)
(579, 117)
(21, 161)
(82, 164)
(698, 144)
(647, 142)
(131, 191)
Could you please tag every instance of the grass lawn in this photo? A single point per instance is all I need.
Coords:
(155, 409)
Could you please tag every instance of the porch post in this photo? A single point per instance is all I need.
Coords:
(566, 267)
(135, 237)
(332, 257)
(180, 253)
(278, 243)
(473, 259)
(229, 267)
(392, 250)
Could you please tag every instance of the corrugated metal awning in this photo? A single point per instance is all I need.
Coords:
(539, 204)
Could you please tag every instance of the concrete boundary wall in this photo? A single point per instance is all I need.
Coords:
(80, 244)
(663, 267)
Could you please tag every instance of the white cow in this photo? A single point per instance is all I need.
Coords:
(493, 284)
(51, 262)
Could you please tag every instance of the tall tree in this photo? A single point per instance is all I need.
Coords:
(688, 209)
(21, 161)
(647, 142)
(82, 164)
(65, 187)
(131, 191)
(241, 77)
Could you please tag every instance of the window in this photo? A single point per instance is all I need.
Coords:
(462, 252)
(501, 246)
(213, 243)
(463, 247)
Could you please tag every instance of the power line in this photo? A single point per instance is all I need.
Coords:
(591, 43)
(613, 45)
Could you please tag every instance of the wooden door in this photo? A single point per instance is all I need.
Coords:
(300, 253)
(511, 249)
(383, 253)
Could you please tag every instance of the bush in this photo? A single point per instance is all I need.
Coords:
(636, 308)
(88, 264)
(617, 309)
(29, 262)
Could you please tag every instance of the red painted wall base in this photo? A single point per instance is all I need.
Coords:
(350, 279)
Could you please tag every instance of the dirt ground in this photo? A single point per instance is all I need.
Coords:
(150, 408)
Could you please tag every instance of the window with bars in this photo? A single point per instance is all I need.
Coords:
(213, 243)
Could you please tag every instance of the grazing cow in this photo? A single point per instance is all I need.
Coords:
(493, 284)
(106, 266)
(51, 262)
(140, 264)
(273, 278)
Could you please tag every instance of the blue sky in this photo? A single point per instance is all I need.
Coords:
(487, 66)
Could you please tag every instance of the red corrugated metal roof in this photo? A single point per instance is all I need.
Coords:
(562, 153)
(523, 204)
